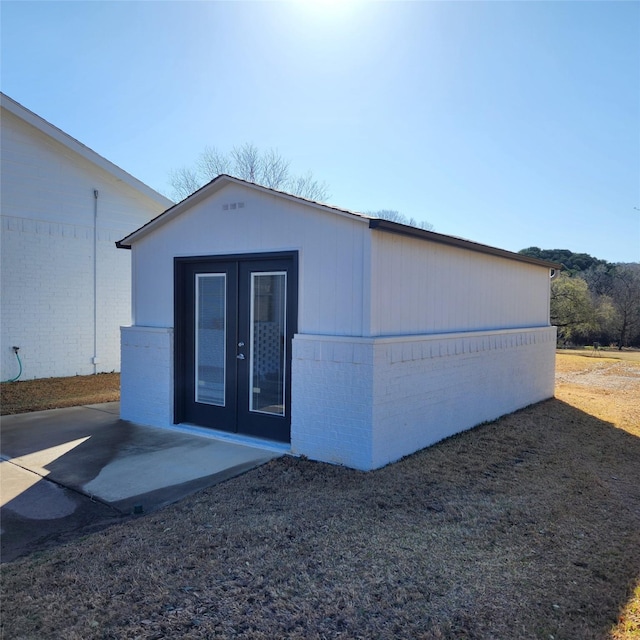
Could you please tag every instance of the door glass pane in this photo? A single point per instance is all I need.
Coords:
(268, 348)
(210, 333)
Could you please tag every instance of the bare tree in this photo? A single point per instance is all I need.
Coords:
(396, 216)
(184, 182)
(247, 162)
(626, 301)
(616, 289)
(213, 163)
(274, 170)
(306, 186)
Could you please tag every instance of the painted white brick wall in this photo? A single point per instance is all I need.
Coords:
(47, 298)
(146, 382)
(331, 399)
(46, 245)
(431, 388)
(367, 402)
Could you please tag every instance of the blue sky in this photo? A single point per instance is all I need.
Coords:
(513, 124)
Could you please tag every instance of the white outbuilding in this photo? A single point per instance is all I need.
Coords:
(350, 339)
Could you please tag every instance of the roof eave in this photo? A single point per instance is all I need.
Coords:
(414, 232)
(374, 223)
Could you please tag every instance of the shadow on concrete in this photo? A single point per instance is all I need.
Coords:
(67, 472)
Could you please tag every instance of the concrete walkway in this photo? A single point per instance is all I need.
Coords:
(67, 472)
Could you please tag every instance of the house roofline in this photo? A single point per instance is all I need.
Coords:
(216, 185)
(378, 224)
(453, 241)
(77, 147)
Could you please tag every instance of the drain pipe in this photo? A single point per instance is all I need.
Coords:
(95, 359)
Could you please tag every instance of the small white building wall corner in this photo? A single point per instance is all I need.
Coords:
(147, 377)
(332, 383)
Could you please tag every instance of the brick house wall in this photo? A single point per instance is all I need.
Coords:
(54, 233)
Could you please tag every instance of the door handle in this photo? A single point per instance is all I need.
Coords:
(240, 356)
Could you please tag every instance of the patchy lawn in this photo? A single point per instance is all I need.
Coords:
(528, 527)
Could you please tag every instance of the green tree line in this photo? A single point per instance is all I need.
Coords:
(593, 300)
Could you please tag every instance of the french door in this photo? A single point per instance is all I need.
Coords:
(235, 318)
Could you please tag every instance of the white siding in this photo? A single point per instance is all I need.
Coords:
(332, 285)
(426, 287)
(47, 245)
(401, 342)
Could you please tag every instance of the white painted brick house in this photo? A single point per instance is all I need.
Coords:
(356, 340)
(65, 287)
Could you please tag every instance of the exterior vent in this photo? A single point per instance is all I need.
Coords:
(233, 205)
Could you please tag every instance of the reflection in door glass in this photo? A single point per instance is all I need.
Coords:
(210, 338)
(268, 348)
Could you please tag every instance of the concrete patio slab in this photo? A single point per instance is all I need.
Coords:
(84, 466)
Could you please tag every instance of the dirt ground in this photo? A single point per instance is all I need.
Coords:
(631, 355)
(528, 527)
(55, 393)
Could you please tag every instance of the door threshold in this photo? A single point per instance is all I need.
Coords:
(234, 438)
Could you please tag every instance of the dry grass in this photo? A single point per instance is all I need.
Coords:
(528, 527)
(54, 393)
(632, 355)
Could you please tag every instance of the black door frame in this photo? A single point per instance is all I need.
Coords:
(181, 266)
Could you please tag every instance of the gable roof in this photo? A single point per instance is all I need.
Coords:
(213, 187)
(80, 149)
(378, 224)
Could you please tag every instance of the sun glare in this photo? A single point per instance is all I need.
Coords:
(327, 8)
